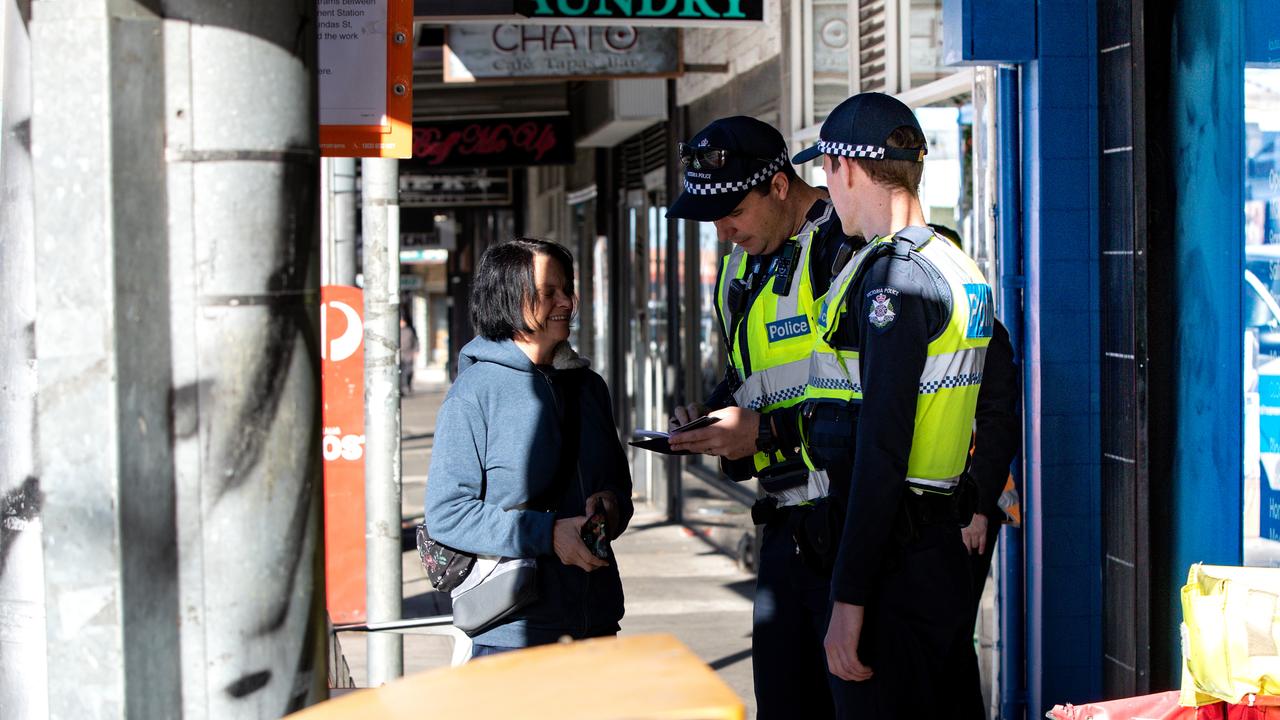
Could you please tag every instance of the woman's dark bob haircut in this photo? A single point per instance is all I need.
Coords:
(504, 285)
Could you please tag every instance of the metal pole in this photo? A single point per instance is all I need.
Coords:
(675, 365)
(338, 221)
(178, 412)
(23, 683)
(343, 219)
(1009, 231)
(382, 413)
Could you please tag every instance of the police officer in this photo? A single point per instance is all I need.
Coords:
(786, 242)
(904, 330)
(998, 430)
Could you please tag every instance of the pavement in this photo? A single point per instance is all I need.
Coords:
(674, 578)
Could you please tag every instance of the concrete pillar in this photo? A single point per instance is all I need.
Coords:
(178, 417)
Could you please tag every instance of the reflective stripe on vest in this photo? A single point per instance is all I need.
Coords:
(835, 374)
(948, 389)
(779, 332)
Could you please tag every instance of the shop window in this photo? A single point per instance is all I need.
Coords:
(923, 42)
(599, 307)
(1262, 317)
(946, 190)
(711, 350)
(829, 39)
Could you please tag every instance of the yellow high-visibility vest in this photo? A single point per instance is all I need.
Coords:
(770, 344)
(948, 390)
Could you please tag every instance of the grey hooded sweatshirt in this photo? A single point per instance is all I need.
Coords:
(497, 449)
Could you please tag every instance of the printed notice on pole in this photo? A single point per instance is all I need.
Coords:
(365, 75)
(353, 61)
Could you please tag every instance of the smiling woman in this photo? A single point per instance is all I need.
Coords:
(527, 460)
(524, 292)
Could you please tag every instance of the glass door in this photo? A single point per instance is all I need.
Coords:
(1262, 317)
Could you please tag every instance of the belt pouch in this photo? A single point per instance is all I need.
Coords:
(817, 533)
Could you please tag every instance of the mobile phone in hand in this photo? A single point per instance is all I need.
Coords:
(596, 536)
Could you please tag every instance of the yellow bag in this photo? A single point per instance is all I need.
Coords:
(1230, 634)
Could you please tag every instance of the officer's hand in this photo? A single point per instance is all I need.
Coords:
(975, 534)
(841, 642)
(566, 540)
(685, 414)
(734, 437)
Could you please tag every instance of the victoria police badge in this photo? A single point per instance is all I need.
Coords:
(882, 314)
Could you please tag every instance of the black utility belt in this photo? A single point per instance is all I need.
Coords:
(932, 508)
(952, 508)
(784, 476)
(766, 510)
(814, 525)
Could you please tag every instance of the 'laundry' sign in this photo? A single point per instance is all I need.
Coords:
(669, 12)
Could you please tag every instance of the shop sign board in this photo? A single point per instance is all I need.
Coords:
(443, 235)
(675, 13)
(424, 256)
(489, 52)
(422, 187)
(365, 74)
(497, 142)
(342, 449)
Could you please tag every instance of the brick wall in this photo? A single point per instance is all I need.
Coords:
(743, 49)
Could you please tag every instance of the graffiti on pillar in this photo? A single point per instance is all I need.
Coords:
(19, 507)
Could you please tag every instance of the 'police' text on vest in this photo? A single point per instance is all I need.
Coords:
(787, 328)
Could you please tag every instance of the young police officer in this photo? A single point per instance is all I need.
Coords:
(905, 326)
(786, 240)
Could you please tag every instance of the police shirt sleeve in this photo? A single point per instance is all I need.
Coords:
(890, 310)
(722, 395)
(997, 423)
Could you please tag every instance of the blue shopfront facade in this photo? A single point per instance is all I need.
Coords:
(1124, 158)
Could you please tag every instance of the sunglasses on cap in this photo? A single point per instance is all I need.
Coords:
(706, 158)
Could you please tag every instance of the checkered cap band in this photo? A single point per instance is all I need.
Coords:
(721, 188)
(875, 152)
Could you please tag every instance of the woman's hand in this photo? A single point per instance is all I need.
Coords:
(566, 540)
(607, 503)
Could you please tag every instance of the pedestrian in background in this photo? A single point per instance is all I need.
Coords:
(997, 430)
(408, 355)
(526, 451)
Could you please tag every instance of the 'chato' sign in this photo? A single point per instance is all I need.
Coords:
(486, 52)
